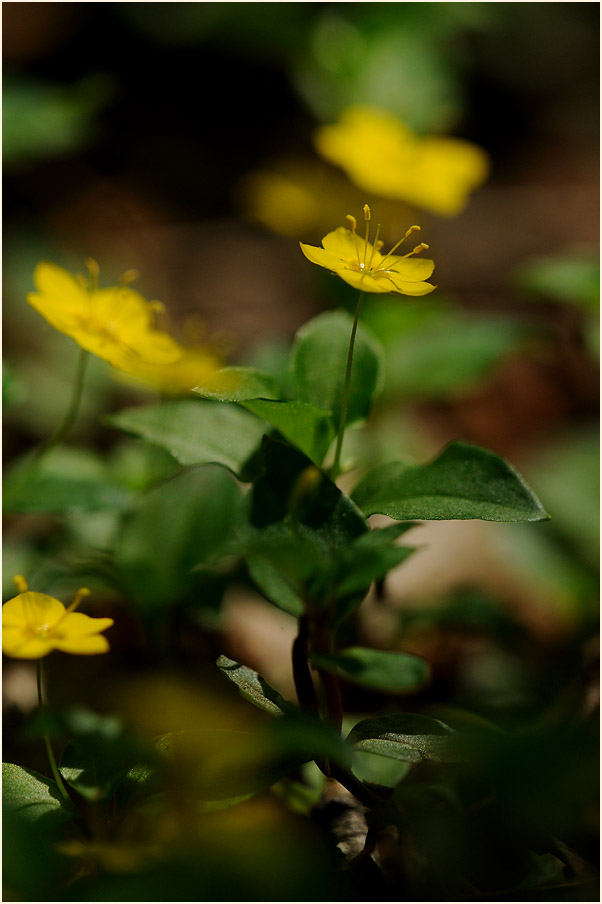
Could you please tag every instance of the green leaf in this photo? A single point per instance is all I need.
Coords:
(447, 358)
(218, 764)
(32, 797)
(63, 480)
(570, 277)
(463, 482)
(394, 672)
(96, 760)
(378, 768)
(318, 365)
(253, 687)
(308, 428)
(238, 384)
(297, 521)
(408, 737)
(196, 432)
(174, 527)
(370, 557)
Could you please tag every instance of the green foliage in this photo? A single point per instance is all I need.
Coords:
(195, 432)
(376, 669)
(63, 480)
(33, 797)
(308, 428)
(253, 687)
(241, 384)
(318, 360)
(181, 524)
(463, 482)
(408, 737)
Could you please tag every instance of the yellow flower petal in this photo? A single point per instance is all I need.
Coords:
(381, 155)
(19, 646)
(34, 624)
(77, 623)
(82, 645)
(320, 257)
(341, 243)
(409, 268)
(365, 282)
(33, 609)
(412, 288)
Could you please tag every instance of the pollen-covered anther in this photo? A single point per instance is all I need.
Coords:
(129, 277)
(367, 213)
(352, 221)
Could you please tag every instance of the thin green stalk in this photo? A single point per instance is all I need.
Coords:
(65, 426)
(346, 388)
(53, 766)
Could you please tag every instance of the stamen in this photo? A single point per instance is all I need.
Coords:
(79, 596)
(129, 277)
(156, 307)
(94, 271)
(376, 247)
(421, 247)
(21, 583)
(397, 244)
(353, 223)
(367, 218)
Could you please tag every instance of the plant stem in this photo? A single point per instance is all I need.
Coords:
(53, 766)
(346, 388)
(65, 426)
(306, 693)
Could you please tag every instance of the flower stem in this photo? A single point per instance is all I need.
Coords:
(65, 426)
(53, 766)
(346, 388)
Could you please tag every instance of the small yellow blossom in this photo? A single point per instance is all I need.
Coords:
(117, 325)
(380, 154)
(361, 264)
(35, 624)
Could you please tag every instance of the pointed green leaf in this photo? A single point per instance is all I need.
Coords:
(196, 432)
(408, 737)
(378, 669)
(253, 687)
(463, 482)
(32, 796)
(319, 360)
(237, 384)
(308, 428)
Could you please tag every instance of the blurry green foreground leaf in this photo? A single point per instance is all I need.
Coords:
(63, 480)
(463, 482)
(172, 528)
(223, 764)
(377, 669)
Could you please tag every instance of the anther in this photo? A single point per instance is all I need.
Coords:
(352, 222)
(94, 271)
(367, 213)
(21, 583)
(128, 277)
(79, 596)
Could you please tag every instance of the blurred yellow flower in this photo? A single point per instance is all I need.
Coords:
(35, 624)
(360, 263)
(382, 155)
(117, 324)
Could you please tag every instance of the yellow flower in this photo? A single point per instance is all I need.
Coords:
(382, 155)
(117, 324)
(360, 263)
(35, 624)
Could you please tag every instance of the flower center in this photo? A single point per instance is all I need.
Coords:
(365, 252)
